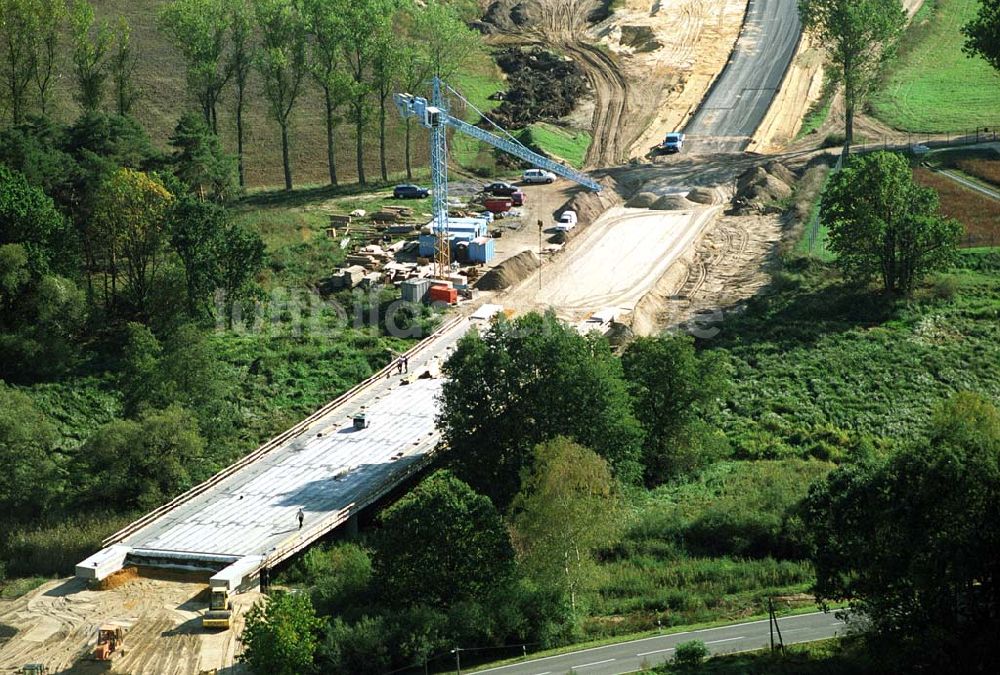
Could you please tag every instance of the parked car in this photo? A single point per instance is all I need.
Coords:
(410, 191)
(672, 143)
(537, 176)
(517, 198)
(500, 189)
(567, 221)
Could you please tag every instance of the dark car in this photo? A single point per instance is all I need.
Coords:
(501, 189)
(410, 191)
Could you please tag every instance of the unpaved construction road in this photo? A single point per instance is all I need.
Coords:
(57, 626)
(613, 263)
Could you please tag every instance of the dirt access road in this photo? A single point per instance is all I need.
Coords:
(648, 64)
(57, 626)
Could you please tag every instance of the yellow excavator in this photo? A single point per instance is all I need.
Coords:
(220, 610)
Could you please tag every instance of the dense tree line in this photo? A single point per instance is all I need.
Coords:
(356, 52)
(111, 256)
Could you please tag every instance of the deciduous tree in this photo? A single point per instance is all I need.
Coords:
(18, 39)
(91, 43)
(281, 635)
(282, 64)
(911, 541)
(365, 24)
(439, 43)
(130, 216)
(51, 19)
(142, 464)
(30, 478)
(673, 389)
(440, 544)
(197, 29)
(567, 508)
(883, 224)
(328, 68)
(982, 34)
(859, 36)
(241, 56)
(121, 65)
(528, 381)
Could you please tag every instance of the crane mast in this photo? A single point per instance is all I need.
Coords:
(434, 116)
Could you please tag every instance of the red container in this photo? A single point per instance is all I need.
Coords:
(443, 294)
(498, 204)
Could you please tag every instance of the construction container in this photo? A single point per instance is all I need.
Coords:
(443, 294)
(481, 250)
(415, 290)
(498, 204)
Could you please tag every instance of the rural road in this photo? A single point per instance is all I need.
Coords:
(627, 657)
(737, 103)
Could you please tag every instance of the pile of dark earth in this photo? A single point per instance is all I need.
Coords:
(541, 86)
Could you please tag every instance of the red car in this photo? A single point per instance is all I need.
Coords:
(517, 198)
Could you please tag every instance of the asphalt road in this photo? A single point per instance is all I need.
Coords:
(737, 103)
(627, 657)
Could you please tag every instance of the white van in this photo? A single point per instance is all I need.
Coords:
(537, 176)
(567, 221)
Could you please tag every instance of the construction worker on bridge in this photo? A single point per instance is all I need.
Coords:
(301, 515)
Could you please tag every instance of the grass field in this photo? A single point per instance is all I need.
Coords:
(566, 144)
(933, 86)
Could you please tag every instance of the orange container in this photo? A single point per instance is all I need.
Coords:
(443, 294)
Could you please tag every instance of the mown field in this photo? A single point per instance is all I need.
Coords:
(933, 86)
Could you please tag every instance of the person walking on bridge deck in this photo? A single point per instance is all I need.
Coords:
(300, 514)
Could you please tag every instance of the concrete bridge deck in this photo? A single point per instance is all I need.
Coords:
(243, 519)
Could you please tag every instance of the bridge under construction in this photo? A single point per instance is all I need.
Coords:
(353, 451)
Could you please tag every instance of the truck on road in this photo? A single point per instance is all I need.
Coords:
(672, 143)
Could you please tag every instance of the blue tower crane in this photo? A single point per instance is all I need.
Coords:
(434, 116)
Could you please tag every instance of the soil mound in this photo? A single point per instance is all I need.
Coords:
(509, 272)
(702, 195)
(640, 38)
(590, 206)
(672, 203)
(780, 171)
(542, 85)
(758, 191)
(643, 200)
(504, 15)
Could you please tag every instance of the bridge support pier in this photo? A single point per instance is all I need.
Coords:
(351, 526)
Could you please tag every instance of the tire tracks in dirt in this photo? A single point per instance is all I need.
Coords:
(558, 26)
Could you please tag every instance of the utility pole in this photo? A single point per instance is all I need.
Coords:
(458, 660)
(770, 621)
(540, 254)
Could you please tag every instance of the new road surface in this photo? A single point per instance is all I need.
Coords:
(628, 657)
(739, 99)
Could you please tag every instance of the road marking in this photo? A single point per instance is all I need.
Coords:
(547, 672)
(653, 637)
(657, 651)
(712, 642)
(595, 663)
